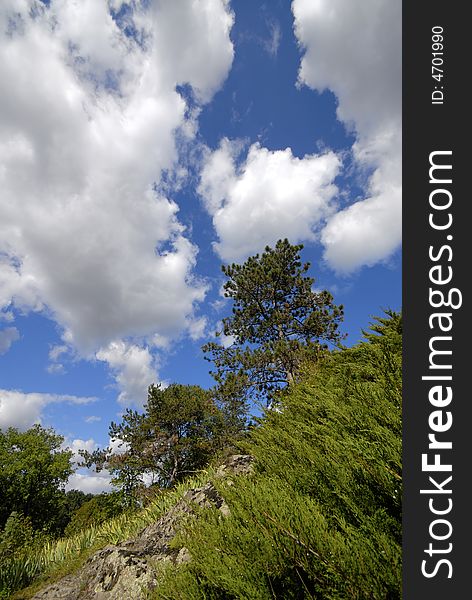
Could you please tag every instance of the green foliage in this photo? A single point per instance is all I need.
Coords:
(321, 515)
(73, 500)
(319, 518)
(186, 426)
(17, 533)
(33, 469)
(179, 431)
(66, 505)
(95, 511)
(17, 539)
(47, 561)
(276, 322)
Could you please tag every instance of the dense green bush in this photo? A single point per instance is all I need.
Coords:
(95, 511)
(17, 540)
(321, 516)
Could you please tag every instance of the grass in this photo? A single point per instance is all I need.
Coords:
(56, 559)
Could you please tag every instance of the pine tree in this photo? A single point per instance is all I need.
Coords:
(277, 320)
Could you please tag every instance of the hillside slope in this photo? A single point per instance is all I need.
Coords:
(319, 516)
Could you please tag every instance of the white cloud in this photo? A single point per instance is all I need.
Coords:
(271, 45)
(93, 419)
(226, 340)
(194, 38)
(22, 410)
(57, 351)
(354, 49)
(134, 371)
(86, 480)
(198, 328)
(89, 483)
(118, 446)
(56, 369)
(369, 230)
(77, 444)
(272, 195)
(7, 337)
(88, 119)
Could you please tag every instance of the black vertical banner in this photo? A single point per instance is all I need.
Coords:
(437, 420)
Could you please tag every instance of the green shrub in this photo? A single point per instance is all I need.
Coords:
(95, 511)
(17, 540)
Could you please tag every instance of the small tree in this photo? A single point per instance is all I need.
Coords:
(187, 428)
(180, 430)
(277, 319)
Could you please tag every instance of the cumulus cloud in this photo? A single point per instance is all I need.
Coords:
(57, 351)
(88, 122)
(78, 444)
(194, 39)
(118, 446)
(86, 480)
(90, 483)
(271, 195)
(134, 370)
(198, 329)
(354, 49)
(7, 337)
(368, 230)
(22, 410)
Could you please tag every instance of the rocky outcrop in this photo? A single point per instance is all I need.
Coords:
(125, 571)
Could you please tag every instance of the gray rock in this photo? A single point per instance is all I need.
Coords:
(125, 571)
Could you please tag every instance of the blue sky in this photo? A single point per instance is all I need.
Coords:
(142, 145)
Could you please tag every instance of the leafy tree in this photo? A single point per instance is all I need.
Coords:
(186, 428)
(33, 471)
(277, 320)
(180, 430)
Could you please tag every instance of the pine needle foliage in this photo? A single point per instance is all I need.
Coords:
(277, 319)
(321, 515)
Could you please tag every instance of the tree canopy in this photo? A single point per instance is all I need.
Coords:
(277, 320)
(179, 430)
(33, 471)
